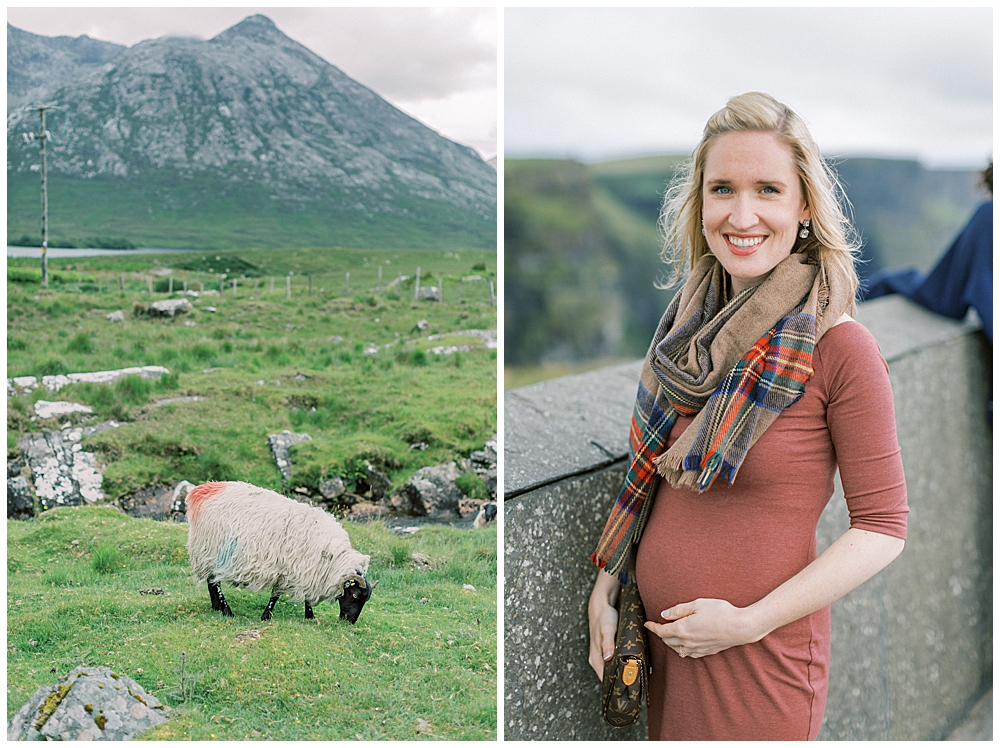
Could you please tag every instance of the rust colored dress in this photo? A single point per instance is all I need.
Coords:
(739, 542)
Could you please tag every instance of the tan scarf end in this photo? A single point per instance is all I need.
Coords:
(668, 465)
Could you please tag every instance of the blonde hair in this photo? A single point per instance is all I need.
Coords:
(832, 240)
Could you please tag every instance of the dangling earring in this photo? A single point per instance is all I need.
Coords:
(703, 227)
(804, 233)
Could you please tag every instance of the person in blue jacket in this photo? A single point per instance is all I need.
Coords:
(962, 278)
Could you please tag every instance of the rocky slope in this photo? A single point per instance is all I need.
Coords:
(248, 115)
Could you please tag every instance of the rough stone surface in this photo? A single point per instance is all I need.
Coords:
(911, 648)
(428, 293)
(55, 382)
(378, 482)
(484, 464)
(279, 444)
(151, 502)
(540, 416)
(62, 473)
(331, 488)
(90, 703)
(169, 308)
(489, 337)
(432, 490)
(117, 316)
(19, 502)
(46, 409)
(365, 510)
(178, 501)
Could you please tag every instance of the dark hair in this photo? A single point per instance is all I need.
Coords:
(987, 177)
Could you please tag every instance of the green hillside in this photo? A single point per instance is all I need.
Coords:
(167, 209)
(582, 246)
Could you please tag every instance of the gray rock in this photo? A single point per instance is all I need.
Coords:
(55, 382)
(169, 308)
(428, 293)
(432, 491)
(484, 464)
(14, 467)
(422, 325)
(46, 409)
(178, 502)
(90, 703)
(63, 474)
(151, 502)
(331, 488)
(279, 444)
(19, 502)
(117, 316)
(378, 482)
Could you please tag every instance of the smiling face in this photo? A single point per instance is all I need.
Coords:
(752, 204)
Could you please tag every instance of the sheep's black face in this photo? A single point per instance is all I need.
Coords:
(354, 598)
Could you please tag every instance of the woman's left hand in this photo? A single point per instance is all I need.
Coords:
(704, 627)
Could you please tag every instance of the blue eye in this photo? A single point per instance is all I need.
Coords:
(720, 190)
(770, 190)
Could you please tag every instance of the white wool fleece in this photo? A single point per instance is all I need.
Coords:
(259, 539)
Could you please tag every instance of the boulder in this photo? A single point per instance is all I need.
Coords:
(64, 475)
(365, 510)
(428, 293)
(169, 308)
(151, 502)
(46, 409)
(432, 491)
(178, 502)
(19, 502)
(54, 382)
(331, 488)
(117, 316)
(279, 444)
(90, 703)
(377, 482)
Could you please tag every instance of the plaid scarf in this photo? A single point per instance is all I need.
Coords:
(735, 365)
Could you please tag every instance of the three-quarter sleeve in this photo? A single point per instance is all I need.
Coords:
(862, 422)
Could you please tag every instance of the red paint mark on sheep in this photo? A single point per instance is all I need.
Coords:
(199, 494)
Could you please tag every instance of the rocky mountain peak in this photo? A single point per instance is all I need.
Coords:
(257, 26)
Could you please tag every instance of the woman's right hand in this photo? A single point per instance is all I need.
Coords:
(603, 621)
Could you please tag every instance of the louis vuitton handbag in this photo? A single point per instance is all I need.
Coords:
(625, 683)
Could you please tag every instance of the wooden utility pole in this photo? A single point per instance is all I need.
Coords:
(43, 135)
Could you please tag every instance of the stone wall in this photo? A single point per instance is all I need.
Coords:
(912, 647)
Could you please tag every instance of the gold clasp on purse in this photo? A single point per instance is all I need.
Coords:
(631, 671)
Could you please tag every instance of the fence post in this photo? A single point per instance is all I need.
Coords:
(255, 286)
(288, 286)
(493, 301)
(272, 285)
(460, 289)
(170, 285)
(149, 283)
(378, 288)
(185, 286)
(310, 291)
(202, 284)
(416, 286)
(121, 282)
(440, 290)
(222, 289)
(347, 282)
(234, 286)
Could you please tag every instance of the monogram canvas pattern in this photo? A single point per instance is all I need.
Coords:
(621, 703)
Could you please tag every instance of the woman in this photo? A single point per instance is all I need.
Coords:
(757, 386)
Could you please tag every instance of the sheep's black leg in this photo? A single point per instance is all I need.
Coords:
(218, 599)
(266, 615)
(309, 610)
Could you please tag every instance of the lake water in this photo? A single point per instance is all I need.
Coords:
(36, 252)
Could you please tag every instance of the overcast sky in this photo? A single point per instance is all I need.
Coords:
(597, 84)
(438, 65)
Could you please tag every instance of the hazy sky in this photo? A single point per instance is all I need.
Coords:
(438, 65)
(596, 84)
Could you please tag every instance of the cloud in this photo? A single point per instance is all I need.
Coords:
(600, 83)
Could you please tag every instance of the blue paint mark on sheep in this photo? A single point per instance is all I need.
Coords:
(226, 557)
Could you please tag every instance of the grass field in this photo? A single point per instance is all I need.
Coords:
(351, 369)
(419, 663)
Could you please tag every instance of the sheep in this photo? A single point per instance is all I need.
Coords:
(257, 538)
(487, 513)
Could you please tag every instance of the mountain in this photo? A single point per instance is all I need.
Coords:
(247, 138)
(581, 245)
